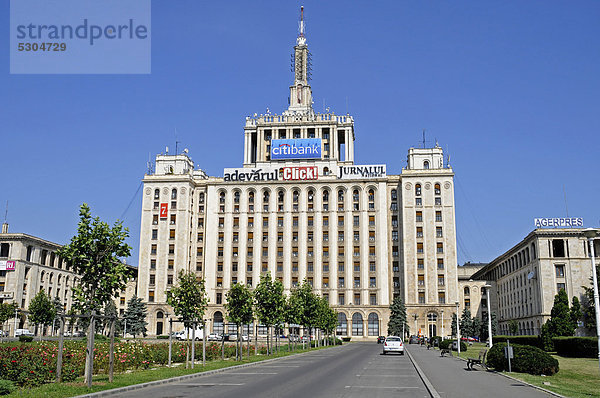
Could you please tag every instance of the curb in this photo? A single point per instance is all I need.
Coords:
(116, 391)
(432, 391)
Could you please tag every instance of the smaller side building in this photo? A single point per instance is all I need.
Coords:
(526, 278)
(472, 292)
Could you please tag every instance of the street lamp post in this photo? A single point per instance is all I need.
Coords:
(15, 328)
(487, 291)
(415, 316)
(457, 330)
(591, 234)
(442, 324)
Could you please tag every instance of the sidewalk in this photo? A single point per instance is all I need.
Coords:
(450, 377)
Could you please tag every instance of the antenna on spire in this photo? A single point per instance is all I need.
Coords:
(302, 21)
(423, 138)
(6, 212)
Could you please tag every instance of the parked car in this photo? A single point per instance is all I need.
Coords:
(23, 332)
(393, 344)
(214, 337)
(67, 333)
(293, 337)
(413, 340)
(79, 333)
(187, 334)
(380, 339)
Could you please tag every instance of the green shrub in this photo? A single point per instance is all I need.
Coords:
(445, 344)
(6, 387)
(346, 339)
(25, 339)
(578, 347)
(527, 359)
(162, 337)
(534, 341)
(436, 340)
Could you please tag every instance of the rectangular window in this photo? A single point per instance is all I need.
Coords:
(341, 236)
(172, 234)
(249, 267)
(440, 247)
(309, 236)
(440, 263)
(250, 251)
(419, 232)
(395, 252)
(295, 221)
(356, 281)
(340, 221)
(265, 251)
(309, 267)
(169, 280)
(221, 237)
(418, 202)
(441, 298)
(173, 219)
(419, 247)
(325, 267)
(419, 216)
(438, 232)
(371, 221)
(340, 267)
(438, 216)
(420, 263)
(250, 222)
(279, 267)
(421, 297)
(200, 236)
(560, 270)
(279, 252)
(341, 281)
(560, 286)
(395, 266)
(152, 264)
(340, 250)
(151, 296)
(356, 266)
(152, 279)
(234, 252)
(236, 222)
(199, 251)
(295, 236)
(265, 221)
(234, 267)
(373, 299)
(326, 251)
(467, 303)
(394, 236)
(325, 281)
(371, 251)
(155, 219)
(279, 236)
(221, 222)
(199, 266)
(171, 249)
(250, 236)
(325, 221)
(154, 236)
(421, 280)
(441, 280)
(438, 201)
(153, 249)
(219, 298)
(356, 298)
(395, 221)
(265, 267)
(341, 299)
(356, 236)
(371, 236)
(280, 221)
(294, 267)
(372, 281)
(310, 221)
(171, 264)
(219, 281)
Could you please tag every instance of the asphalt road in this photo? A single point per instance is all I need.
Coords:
(354, 370)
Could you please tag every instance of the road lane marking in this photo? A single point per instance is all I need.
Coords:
(385, 388)
(386, 375)
(210, 384)
(251, 373)
(280, 366)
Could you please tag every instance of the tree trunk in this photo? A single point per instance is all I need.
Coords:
(89, 361)
(193, 344)
(255, 338)
(111, 358)
(223, 346)
(203, 343)
(170, 340)
(248, 345)
(61, 341)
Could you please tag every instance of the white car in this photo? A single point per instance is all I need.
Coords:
(214, 337)
(393, 344)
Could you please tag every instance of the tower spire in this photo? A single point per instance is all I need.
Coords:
(300, 91)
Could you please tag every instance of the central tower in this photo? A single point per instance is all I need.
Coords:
(300, 91)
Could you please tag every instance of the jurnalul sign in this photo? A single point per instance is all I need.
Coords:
(302, 148)
(568, 222)
(358, 172)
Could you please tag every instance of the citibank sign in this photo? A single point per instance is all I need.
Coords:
(307, 148)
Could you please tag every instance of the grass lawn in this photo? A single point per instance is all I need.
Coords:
(100, 382)
(577, 378)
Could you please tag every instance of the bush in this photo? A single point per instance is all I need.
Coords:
(162, 337)
(436, 340)
(25, 339)
(534, 341)
(445, 345)
(527, 359)
(346, 339)
(6, 387)
(578, 347)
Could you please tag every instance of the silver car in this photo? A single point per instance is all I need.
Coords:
(393, 344)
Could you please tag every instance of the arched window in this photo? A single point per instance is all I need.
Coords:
(325, 171)
(222, 197)
(280, 197)
(437, 190)
(341, 195)
(310, 195)
(373, 324)
(371, 195)
(236, 197)
(159, 323)
(357, 324)
(201, 197)
(342, 327)
(355, 195)
(467, 291)
(251, 197)
(218, 325)
(426, 165)
(418, 189)
(266, 197)
(432, 317)
(174, 194)
(156, 193)
(295, 196)
(326, 196)
(159, 315)
(394, 195)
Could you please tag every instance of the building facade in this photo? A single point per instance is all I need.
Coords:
(29, 264)
(526, 278)
(302, 209)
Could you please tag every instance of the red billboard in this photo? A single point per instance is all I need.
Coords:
(164, 210)
(301, 173)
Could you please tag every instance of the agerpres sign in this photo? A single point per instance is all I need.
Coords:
(569, 222)
(7, 265)
(358, 172)
(306, 148)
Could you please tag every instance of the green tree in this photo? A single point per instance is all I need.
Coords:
(397, 318)
(135, 316)
(327, 316)
(188, 298)
(513, 327)
(292, 311)
(588, 311)
(454, 323)
(560, 320)
(575, 313)
(41, 310)
(483, 330)
(308, 306)
(476, 324)
(110, 310)
(269, 302)
(239, 308)
(7, 311)
(466, 323)
(94, 254)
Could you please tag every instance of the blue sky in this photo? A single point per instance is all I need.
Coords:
(509, 89)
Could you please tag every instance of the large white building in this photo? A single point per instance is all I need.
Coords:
(300, 207)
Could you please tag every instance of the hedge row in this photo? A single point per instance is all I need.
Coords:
(527, 359)
(534, 341)
(578, 347)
